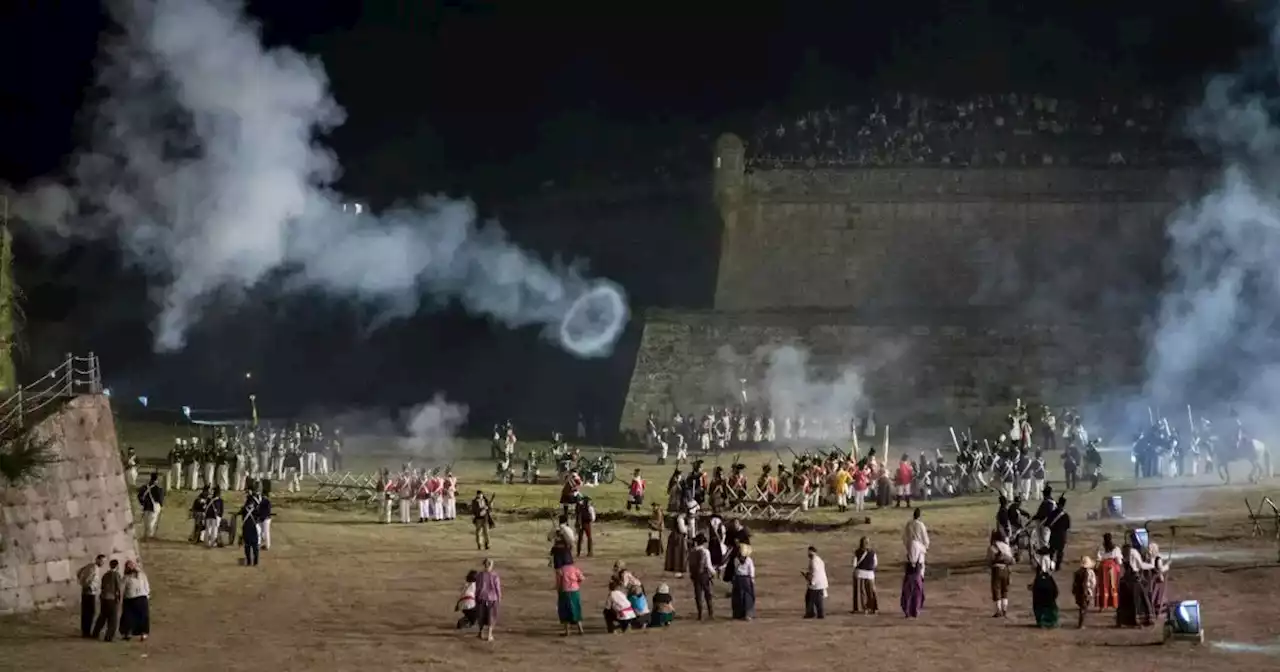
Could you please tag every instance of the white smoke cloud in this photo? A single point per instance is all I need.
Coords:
(792, 391)
(1215, 343)
(433, 428)
(206, 166)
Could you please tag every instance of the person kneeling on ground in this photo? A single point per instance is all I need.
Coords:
(618, 612)
(664, 608)
(467, 602)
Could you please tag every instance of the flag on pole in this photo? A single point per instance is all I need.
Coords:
(186, 410)
(143, 401)
(253, 404)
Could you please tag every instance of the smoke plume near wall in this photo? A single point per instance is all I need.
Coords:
(205, 165)
(1215, 342)
(784, 380)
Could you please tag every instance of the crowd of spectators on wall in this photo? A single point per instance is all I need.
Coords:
(987, 130)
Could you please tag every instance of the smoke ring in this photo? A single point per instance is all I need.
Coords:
(594, 321)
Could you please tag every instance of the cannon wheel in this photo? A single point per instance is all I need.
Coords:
(609, 474)
(583, 465)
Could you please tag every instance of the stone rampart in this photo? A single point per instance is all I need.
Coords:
(922, 370)
(77, 508)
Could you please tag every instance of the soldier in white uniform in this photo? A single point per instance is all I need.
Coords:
(207, 462)
(450, 495)
(221, 458)
(406, 497)
(175, 463)
(194, 466)
(131, 466)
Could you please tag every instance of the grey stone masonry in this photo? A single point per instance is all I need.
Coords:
(77, 508)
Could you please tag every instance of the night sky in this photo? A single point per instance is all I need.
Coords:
(516, 104)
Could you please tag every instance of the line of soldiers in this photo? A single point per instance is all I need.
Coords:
(720, 428)
(230, 457)
(435, 494)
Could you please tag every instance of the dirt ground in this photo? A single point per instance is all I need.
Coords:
(339, 591)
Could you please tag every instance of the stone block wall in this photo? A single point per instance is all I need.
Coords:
(938, 237)
(924, 370)
(78, 508)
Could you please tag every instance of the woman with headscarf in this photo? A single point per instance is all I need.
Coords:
(656, 523)
(677, 558)
(488, 595)
(913, 581)
(1044, 590)
(1000, 560)
(1109, 562)
(135, 612)
(1134, 609)
(743, 596)
(1159, 568)
(864, 579)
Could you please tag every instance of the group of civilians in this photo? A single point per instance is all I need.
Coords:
(112, 601)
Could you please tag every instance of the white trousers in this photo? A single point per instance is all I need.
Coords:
(175, 472)
(859, 499)
(266, 534)
(405, 509)
(435, 508)
(323, 462)
(294, 478)
(386, 509)
(193, 470)
(240, 477)
(133, 475)
(208, 474)
(150, 519)
(1024, 487)
(264, 464)
(450, 507)
(1006, 489)
(424, 509)
(224, 479)
(1037, 487)
(210, 536)
(309, 464)
(842, 498)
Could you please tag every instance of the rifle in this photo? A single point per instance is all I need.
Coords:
(488, 512)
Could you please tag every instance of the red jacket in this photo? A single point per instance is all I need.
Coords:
(905, 473)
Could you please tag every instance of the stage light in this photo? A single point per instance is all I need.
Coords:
(1183, 621)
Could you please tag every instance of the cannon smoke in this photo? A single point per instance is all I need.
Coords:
(1215, 342)
(433, 428)
(206, 166)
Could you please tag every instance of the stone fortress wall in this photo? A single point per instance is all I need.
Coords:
(984, 240)
(78, 508)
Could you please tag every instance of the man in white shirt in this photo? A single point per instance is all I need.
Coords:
(816, 581)
(90, 579)
(916, 534)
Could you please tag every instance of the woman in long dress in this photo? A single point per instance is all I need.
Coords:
(1109, 562)
(1134, 609)
(743, 597)
(715, 542)
(864, 579)
(656, 523)
(913, 581)
(1044, 590)
(135, 614)
(677, 559)
(1159, 567)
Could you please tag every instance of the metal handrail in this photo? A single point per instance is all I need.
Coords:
(76, 375)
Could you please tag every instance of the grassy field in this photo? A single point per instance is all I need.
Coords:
(338, 591)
